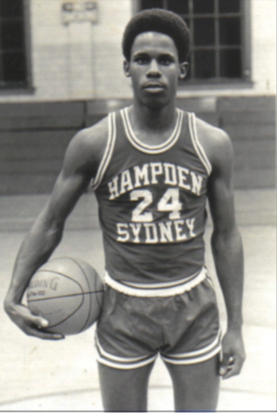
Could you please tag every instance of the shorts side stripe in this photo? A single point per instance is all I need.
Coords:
(193, 360)
(201, 351)
(196, 356)
(125, 366)
(115, 358)
(111, 360)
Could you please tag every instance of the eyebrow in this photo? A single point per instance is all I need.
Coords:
(163, 54)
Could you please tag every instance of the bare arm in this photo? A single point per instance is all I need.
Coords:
(227, 249)
(80, 165)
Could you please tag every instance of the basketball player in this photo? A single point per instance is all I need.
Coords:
(152, 167)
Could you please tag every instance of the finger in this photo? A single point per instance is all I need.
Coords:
(50, 336)
(225, 364)
(43, 323)
(37, 321)
(24, 315)
(37, 327)
(233, 369)
(45, 335)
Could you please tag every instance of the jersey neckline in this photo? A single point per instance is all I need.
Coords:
(152, 149)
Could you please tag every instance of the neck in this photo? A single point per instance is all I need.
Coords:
(157, 119)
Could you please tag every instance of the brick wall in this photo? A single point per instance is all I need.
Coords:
(34, 136)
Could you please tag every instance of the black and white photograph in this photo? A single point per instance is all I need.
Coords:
(138, 205)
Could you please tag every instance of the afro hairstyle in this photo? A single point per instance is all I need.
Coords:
(161, 21)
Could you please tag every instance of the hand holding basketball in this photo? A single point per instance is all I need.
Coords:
(31, 325)
(68, 293)
(64, 297)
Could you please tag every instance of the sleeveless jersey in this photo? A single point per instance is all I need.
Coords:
(152, 202)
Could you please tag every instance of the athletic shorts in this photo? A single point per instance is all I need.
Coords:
(182, 327)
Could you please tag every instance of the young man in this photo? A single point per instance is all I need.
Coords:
(152, 167)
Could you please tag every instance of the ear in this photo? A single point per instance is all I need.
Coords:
(184, 68)
(126, 68)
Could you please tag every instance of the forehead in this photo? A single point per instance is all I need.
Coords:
(154, 42)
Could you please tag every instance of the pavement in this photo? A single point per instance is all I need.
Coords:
(62, 376)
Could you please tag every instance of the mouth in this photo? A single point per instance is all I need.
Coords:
(154, 87)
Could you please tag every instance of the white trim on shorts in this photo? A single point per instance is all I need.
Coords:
(191, 357)
(123, 363)
(197, 356)
(166, 289)
(157, 290)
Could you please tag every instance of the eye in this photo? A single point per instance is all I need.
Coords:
(141, 60)
(166, 60)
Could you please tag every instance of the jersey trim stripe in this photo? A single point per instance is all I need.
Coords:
(197, 145)
(108, 151)
(155, 149)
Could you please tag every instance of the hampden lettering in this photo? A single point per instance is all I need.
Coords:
(153, 173)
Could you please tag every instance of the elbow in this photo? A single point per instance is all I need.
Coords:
(225, 238)
(225, 230)
(47, 232)
(7, 305)
(55, 232)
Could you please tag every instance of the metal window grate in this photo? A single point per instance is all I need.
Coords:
(13, 65)
(216, 35)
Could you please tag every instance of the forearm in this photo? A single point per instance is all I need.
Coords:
(37, 247)
(228, 256)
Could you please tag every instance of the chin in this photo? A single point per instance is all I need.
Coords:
(155, 102)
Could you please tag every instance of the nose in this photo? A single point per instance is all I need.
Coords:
(154, 69)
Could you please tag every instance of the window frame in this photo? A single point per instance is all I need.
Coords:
(245, 81)
(27, 87)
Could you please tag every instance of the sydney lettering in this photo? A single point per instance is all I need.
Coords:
(156, 233)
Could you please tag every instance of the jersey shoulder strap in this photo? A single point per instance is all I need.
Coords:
(198, 148)
(108, 151)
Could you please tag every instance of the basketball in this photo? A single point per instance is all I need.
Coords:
(68, 293)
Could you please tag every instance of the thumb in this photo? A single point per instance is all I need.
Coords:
(44, 323)
(40, 322)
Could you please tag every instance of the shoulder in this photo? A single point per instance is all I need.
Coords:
(215, 142)
(92, 139)
(87, 148)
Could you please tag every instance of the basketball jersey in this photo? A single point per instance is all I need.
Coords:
(152, 202)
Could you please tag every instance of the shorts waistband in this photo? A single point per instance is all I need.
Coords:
(157, 290)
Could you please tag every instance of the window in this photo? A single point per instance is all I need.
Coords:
(218, 49)
(13, 59)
